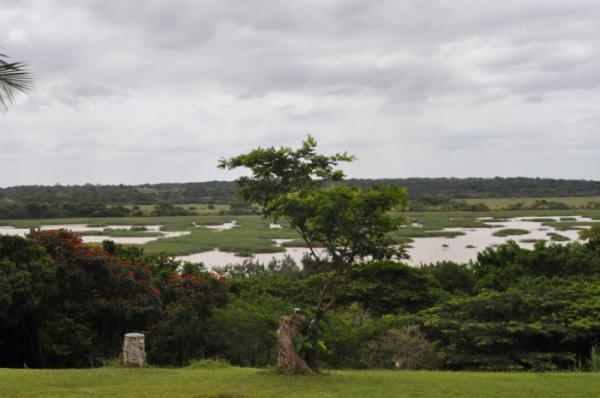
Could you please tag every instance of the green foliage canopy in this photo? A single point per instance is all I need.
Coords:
(303, 188)
(278, 171)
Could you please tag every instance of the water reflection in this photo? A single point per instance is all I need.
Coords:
(461, 248)
(79, 228)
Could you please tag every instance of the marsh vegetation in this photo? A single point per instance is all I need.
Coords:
(192, 238)
(267, 266)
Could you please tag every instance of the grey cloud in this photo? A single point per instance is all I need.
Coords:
(153, 82)
(534, 99)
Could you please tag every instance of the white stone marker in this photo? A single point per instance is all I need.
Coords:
(134, 350)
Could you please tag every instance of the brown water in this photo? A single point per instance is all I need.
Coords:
(422, 250)
(132, 240)
(217, 258)
(461, 248)
(221, 227)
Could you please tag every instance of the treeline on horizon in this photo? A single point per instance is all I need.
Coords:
(223, 192)
(425, 194)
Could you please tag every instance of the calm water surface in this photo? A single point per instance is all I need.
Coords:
(423, 250)
(131, 240)
(461, 248)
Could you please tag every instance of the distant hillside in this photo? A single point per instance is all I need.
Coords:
(224, 191)
(468, 188)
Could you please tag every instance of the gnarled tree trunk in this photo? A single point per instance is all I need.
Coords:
(287, 357)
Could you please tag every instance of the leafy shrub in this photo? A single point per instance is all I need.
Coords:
(453, 278)
(138, 228)
(245, 331)
(209, 363)
(386, 287)
(501, 267)
(181, 335)
(72, 302)
(64, 303)
(163, 210)
(592, 235)
(594, 361)
(402, 348)
(540, 324)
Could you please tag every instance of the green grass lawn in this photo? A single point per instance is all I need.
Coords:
(238, 383)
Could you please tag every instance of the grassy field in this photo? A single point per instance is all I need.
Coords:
(501, 203)
(253, 235)
(120, 233)
(238, 383)
(510, 232)
(200, 208)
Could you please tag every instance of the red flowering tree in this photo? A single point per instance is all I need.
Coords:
(64, 303)
(98, 298)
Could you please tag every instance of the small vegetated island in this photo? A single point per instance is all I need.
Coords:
(511, 232)
(353, 304)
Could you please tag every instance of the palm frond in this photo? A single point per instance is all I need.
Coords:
(14, 78)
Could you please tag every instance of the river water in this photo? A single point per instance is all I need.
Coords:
(461, 248)
(129, 240)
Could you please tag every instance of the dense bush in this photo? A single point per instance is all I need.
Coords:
(501, 267)
(400, 348)
(540, 324)
(388, 287)
(188, 300)
(68, 304)
(244, 331)
(86, 299)
(64, 303)
(170, 210)
(454, 278)
(238, 208)
(534, 309)
(27, 277)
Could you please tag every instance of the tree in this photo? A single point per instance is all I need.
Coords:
(538, 324)
(26, 287)
(188, 300)
(592, 235)
(340, 225)
(389, 287)
(14, 78)
(97, 298)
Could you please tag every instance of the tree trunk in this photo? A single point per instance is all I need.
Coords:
(287, 357)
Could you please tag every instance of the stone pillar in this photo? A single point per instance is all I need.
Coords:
(134, 350)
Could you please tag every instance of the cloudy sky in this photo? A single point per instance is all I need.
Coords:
(157, 91)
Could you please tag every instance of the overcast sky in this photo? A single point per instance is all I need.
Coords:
(156, 91)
